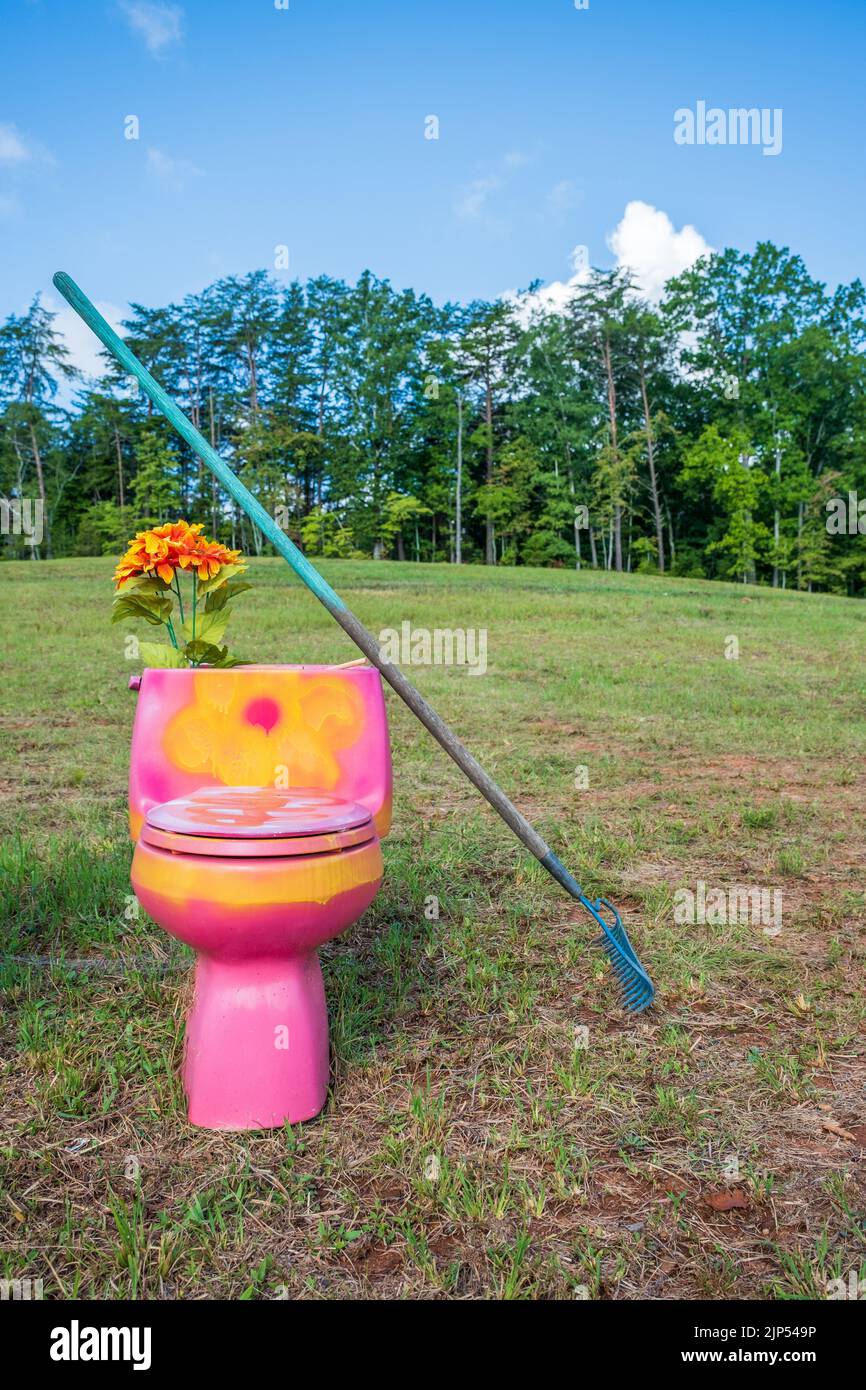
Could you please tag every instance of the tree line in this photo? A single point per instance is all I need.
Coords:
(706, 435)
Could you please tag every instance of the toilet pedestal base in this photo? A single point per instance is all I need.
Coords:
(256, 1043)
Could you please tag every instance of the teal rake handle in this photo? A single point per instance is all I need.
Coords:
(637, 987)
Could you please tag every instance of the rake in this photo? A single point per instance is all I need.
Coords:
(637, 988)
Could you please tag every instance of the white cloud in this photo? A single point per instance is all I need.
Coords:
(16, 148)
(13, 148)
(562, 196)
(470, 204)
(80, 342)
(159, 25)
(552, 298)
(16, 151)
(644, 241)
(173, 173)
(647, 243)
(473, 196)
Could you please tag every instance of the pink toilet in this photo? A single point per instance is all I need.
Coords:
(257, 799)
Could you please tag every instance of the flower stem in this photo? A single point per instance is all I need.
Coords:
(171, 633)
(179, 595)
(194, 591)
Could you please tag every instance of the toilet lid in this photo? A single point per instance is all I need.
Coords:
(251, 821)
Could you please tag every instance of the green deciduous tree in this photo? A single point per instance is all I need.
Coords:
(701, 436)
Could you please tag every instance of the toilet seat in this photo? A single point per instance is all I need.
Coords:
(254, 822)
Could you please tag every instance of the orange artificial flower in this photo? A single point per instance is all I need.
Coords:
(210, 557)
(147, 554)
(165, 549)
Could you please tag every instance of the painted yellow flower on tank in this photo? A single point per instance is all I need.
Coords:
(240, 733)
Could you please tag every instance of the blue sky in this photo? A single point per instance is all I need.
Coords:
(305, 127)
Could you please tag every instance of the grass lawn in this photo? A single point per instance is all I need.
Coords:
(497, 1127)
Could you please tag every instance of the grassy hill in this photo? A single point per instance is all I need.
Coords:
(478, 1140)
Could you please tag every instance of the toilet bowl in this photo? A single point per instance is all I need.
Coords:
(255, 880)
(255, 877)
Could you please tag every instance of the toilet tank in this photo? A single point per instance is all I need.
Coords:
(261, 726)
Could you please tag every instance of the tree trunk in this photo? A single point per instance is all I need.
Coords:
(776, 518)
(254, 382)
(611, 406)
(19, 483)
(40, 476)
(213, 483)
(654, 491)
(458, 502)
(489, 539)
(573, 493)
(121, 494)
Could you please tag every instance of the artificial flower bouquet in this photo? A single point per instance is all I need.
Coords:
(148, 582)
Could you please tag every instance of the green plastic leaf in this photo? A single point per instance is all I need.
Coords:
(160, 656)
(146, 584)
(218, 598)
(205, 653)
(153, 609)
(209, 627)
(207, 586)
